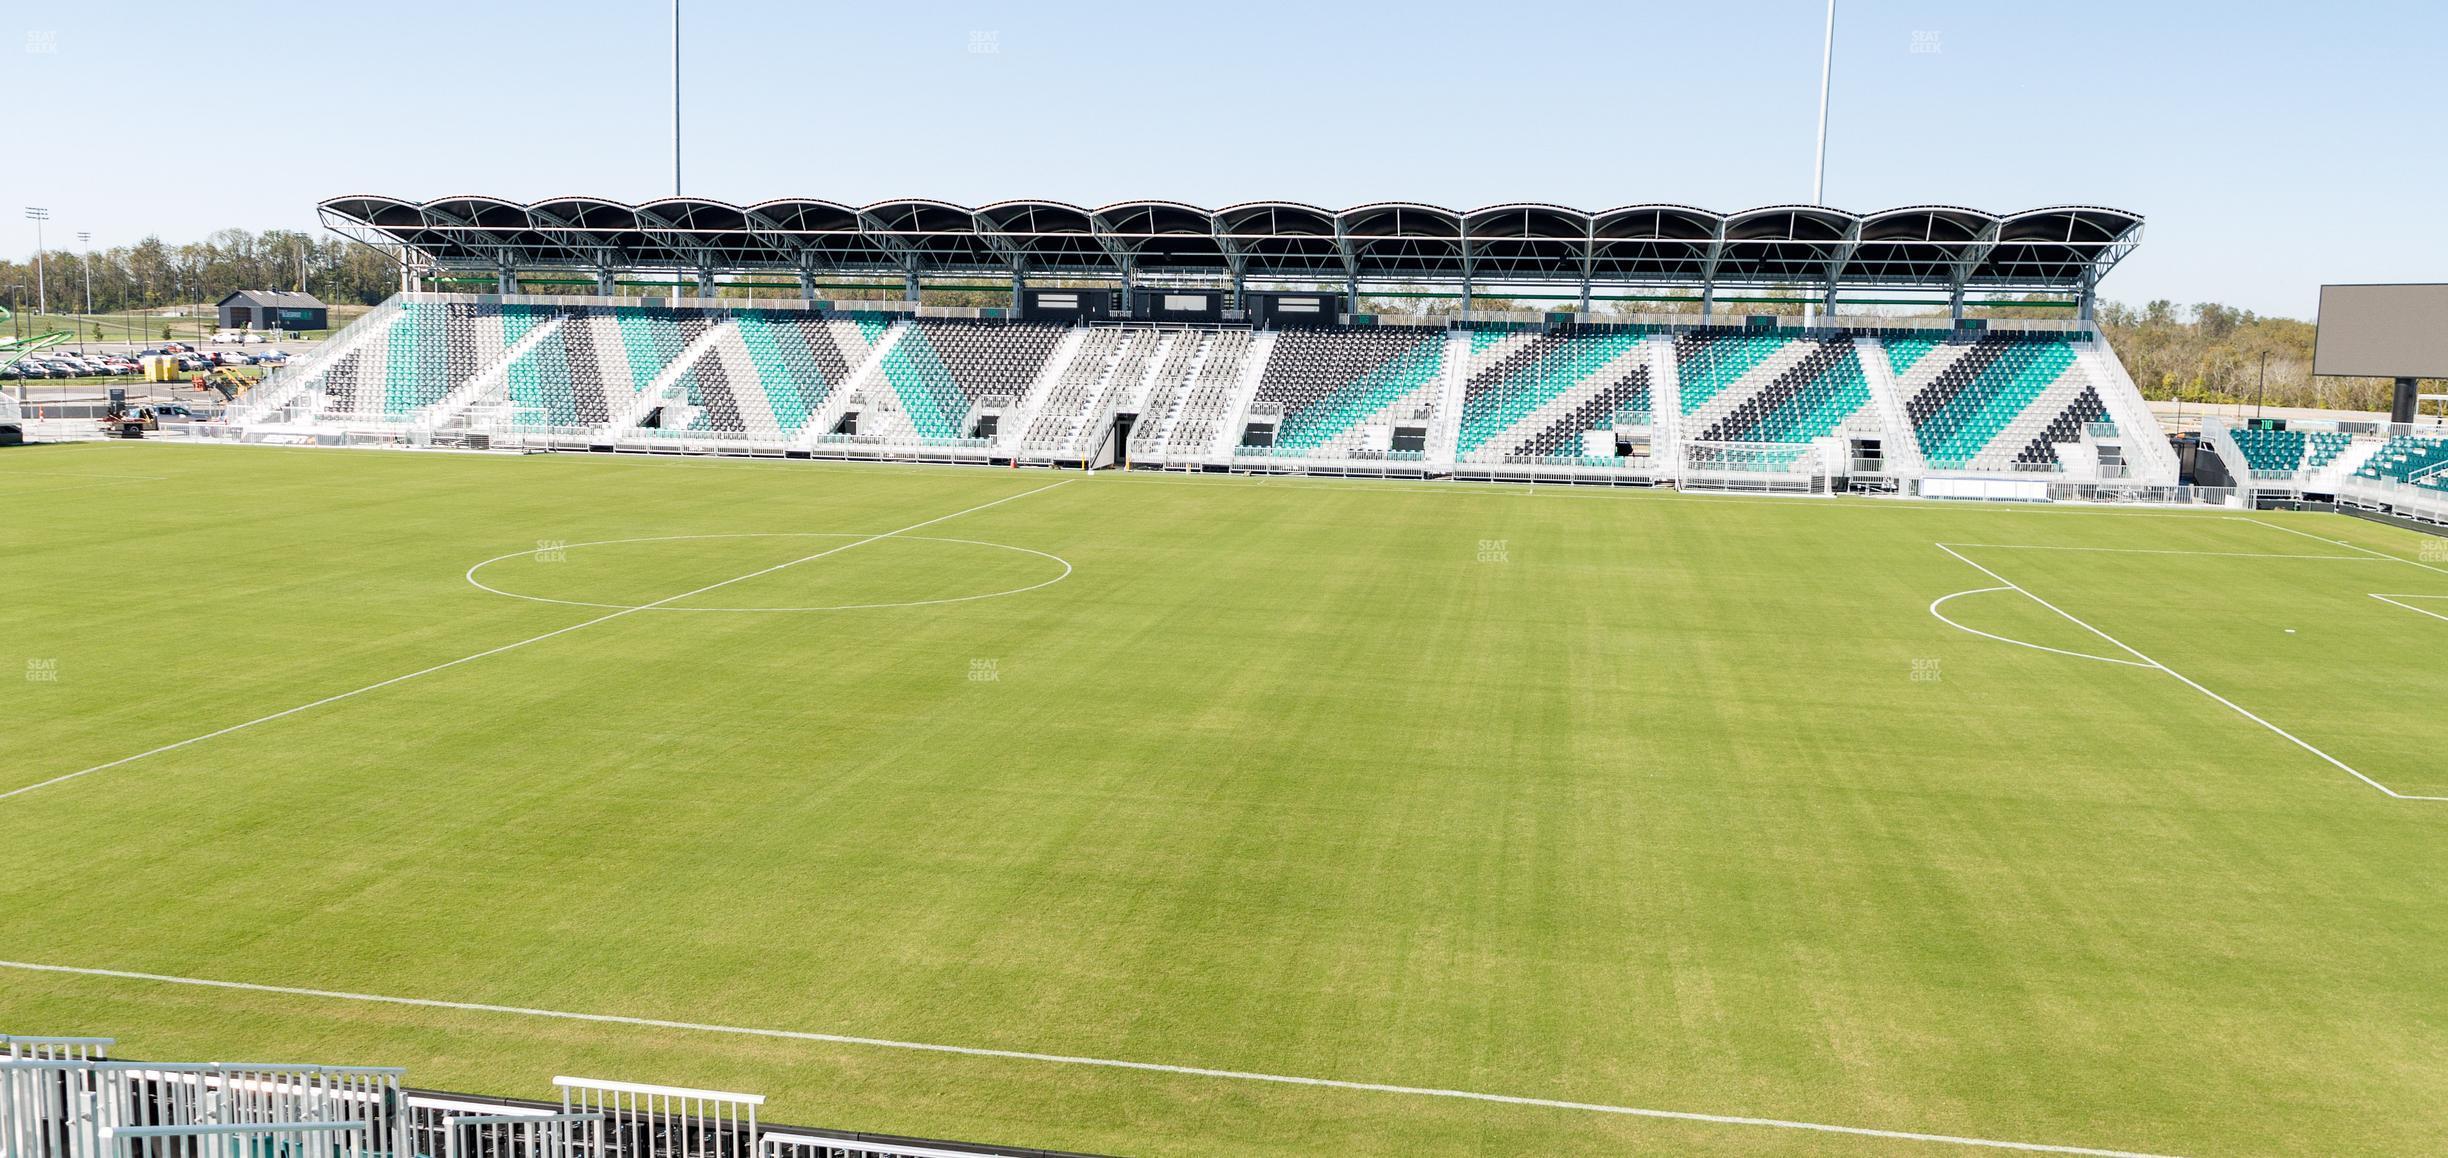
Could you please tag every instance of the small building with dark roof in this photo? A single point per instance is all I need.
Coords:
(273, 310)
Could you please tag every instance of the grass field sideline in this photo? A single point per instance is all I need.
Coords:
(1636, 800)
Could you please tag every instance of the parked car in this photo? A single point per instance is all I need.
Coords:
(251, 338)
(273, 358)
(233, 358)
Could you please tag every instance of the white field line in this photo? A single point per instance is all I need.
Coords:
(533, 639)
(1333, 482)
(15, 492)
(2392, 600)
(2180, 677)
(83, 474)
(2163, 551)
(82, 481)
(480, 585)
(2345, 544)
(1942, 600)
(1070, 1060)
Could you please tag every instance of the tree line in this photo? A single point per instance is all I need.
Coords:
(153, 273)
(2219, 355)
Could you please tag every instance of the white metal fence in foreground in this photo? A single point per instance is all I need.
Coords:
(664, 1121)
(238, 1140)
(70, 1107)
(63, 1097)
(20, 1045)
(527, 1135)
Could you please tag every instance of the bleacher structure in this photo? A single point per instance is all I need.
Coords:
(1764, 406)
(67, 1097)
(2390, 468)
(1945, 406)
(2404, 473)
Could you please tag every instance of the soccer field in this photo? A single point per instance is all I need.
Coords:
(1550, 821)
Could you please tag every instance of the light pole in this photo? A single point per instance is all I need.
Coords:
(15, 292)
(42, 302)
(2263, 392)
(675, 98)
(1827, 68)
(85, 242)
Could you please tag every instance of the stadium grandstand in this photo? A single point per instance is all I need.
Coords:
(1159, 335)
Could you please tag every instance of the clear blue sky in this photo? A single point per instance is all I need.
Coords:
(2272, 146)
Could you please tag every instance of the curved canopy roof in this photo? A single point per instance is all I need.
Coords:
(1928, 246)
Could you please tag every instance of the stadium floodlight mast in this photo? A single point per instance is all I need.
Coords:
(37, 215)
(2263, 393)
(676, 96)
(1827, 65)
(85, 242)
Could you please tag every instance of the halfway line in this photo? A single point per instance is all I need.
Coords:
(449, 664)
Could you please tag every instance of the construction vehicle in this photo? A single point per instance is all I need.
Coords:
(225, 381)
(127, 420)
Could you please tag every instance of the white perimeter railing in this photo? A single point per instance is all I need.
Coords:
(527, 1135)
(65, 1107)
(245, 1140)
(664, 1121)
(59, 1098)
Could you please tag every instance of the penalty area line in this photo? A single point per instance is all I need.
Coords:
(2398, 601)
(2188, 681)
(2343, 543)
(2166, 551)
(1102, 1063)
(533, 639)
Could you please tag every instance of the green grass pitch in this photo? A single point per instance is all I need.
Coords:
(1628, 799)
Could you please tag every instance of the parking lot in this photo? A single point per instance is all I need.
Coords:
(66, 376)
